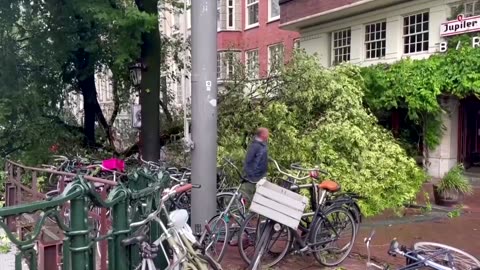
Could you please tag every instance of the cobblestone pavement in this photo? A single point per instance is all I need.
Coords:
(461, 232)
(7, 260)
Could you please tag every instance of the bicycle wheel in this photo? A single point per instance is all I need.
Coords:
(215, 242)
(212, 264)
(262, 246)
(250, 233)
(237, 208)
(333, 235)
(447, 256)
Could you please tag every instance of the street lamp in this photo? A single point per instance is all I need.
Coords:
(136, 73)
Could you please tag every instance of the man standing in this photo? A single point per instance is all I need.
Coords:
(256, 163)
(255, 168)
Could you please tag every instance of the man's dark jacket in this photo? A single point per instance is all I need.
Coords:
(256, 161)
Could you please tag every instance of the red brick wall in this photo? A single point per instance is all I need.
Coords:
(266, 34)
(296, 9)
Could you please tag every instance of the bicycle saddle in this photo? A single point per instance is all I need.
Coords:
(392, 250)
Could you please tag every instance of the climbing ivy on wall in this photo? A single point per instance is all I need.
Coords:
(417, 84)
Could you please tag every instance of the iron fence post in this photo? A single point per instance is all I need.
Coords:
(79, 245)
(120, 227)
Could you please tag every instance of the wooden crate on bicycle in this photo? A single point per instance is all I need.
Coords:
(279, 204)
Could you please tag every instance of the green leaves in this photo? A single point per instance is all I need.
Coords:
(417, 84)
(317, 117)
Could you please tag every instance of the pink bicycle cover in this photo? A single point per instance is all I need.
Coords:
(114, 164)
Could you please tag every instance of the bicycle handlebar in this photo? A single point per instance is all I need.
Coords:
(134, 240)
(169, 193)
(285, 173)
(229, 161)
(298, 167)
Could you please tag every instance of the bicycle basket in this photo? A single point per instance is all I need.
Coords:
(279, 204)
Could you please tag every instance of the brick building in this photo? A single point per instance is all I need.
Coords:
(249, 31)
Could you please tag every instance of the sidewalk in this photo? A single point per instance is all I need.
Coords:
(461, 232)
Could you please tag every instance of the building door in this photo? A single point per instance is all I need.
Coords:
(469, 132)
(462, 134)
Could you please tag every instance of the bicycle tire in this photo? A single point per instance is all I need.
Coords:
(350, 204)
(256, 262)
(224, 198)
(245, 257)
(212, 264)
(319, 226)
(213, 225)
(474, 262)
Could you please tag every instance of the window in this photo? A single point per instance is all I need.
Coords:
(219, 65)
(230, 14)
(471, 8)
(415, 33)
(273, 10)
(176, 21)
(251, 59)
(218, 15)
(179, 93)
(275, 58)
(252, 13)
(226, 62)
(189, 14)
(341, 45)
(375, 35)
(296, 43)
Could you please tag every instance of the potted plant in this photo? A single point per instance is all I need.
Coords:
(452, 188)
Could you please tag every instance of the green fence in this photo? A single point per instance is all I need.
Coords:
(127, 202)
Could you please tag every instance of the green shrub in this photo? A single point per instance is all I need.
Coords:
(455, 180)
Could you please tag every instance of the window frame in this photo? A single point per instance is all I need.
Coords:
(247, 64)
(473, 3)
(269, 50)
(228, 17)
(381, 40)
(274, 18)
(296, 43)
(247, 6)
(349, 46)
(219, 15)
(176, 24)
(225, 66)
(189, 14)
(416, 34)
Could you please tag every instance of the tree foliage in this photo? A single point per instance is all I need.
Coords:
(50, 49)
(316, 116)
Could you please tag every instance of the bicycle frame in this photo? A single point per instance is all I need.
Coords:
(419, 261)
(180, 244)
(225, 212)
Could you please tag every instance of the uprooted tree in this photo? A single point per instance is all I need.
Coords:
(50, 49)
(316, 116)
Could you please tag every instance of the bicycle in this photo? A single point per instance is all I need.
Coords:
(426, 254)
(220, 230)
(319, 232)
(186, 252)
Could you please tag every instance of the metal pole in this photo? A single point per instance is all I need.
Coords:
(204, 110)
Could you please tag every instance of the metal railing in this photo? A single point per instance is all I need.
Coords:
(74, 245)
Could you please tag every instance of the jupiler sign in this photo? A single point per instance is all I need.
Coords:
(459, 26)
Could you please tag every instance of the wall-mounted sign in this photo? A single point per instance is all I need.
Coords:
(444, 46)
(460, 26)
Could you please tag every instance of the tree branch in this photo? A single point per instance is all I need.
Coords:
(116, 103)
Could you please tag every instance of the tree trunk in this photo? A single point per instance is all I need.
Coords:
(150, 87)
(89, 92)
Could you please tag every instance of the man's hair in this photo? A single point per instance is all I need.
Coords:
(260, 131)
